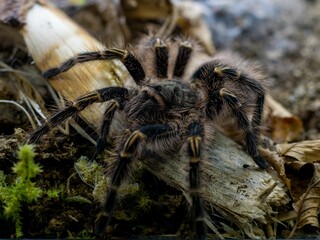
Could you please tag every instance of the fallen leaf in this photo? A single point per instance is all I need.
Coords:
(300, 175)
(307, 207)
(284, 127)
(305, 151)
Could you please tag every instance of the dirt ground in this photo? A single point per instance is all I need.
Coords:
(283, 36)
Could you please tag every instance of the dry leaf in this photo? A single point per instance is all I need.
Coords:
(306, 151)
(307, 207)
(299, 168)
(305, 181)
(300, 175)
(187, 16)
(277, 163)
(192, 22)
(145, 9)
(283, 125)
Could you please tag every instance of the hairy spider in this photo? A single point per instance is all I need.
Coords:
(167, 111)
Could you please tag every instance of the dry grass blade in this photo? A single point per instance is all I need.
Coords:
(23, 109)
(27, 92)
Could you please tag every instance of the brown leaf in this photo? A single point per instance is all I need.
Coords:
(191, 21)
(277, 163)
(308, 205)
(299, 168)
(303, 171)
(300, 175)
(306, 151)
(187, 16)
(285, 129)
(145, 9)
(284, 126)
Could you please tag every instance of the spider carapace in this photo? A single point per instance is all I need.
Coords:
(168, 111)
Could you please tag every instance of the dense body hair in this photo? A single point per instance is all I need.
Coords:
(169, 111)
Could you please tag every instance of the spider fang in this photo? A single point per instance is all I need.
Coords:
(194, 143)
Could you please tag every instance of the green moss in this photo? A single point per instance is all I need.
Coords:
(93, 174)
(144, 202)
(84, 234)
(23, 190)
(53, 193)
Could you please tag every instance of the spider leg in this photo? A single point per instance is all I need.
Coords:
(184, 53)
(124, 158)
(211, 79)
(104, 130)
(251, 138)
(161, 58)
(257, 115)
(254, 85)
(213, 75)
(101, 95)
(127, 58)
(194, 150)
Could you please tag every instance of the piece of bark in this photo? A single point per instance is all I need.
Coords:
(242, 195)
(245, 196)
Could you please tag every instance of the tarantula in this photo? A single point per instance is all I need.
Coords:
(167, 111)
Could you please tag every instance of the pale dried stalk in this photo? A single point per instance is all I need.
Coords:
(241, 195)
(51, 38)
